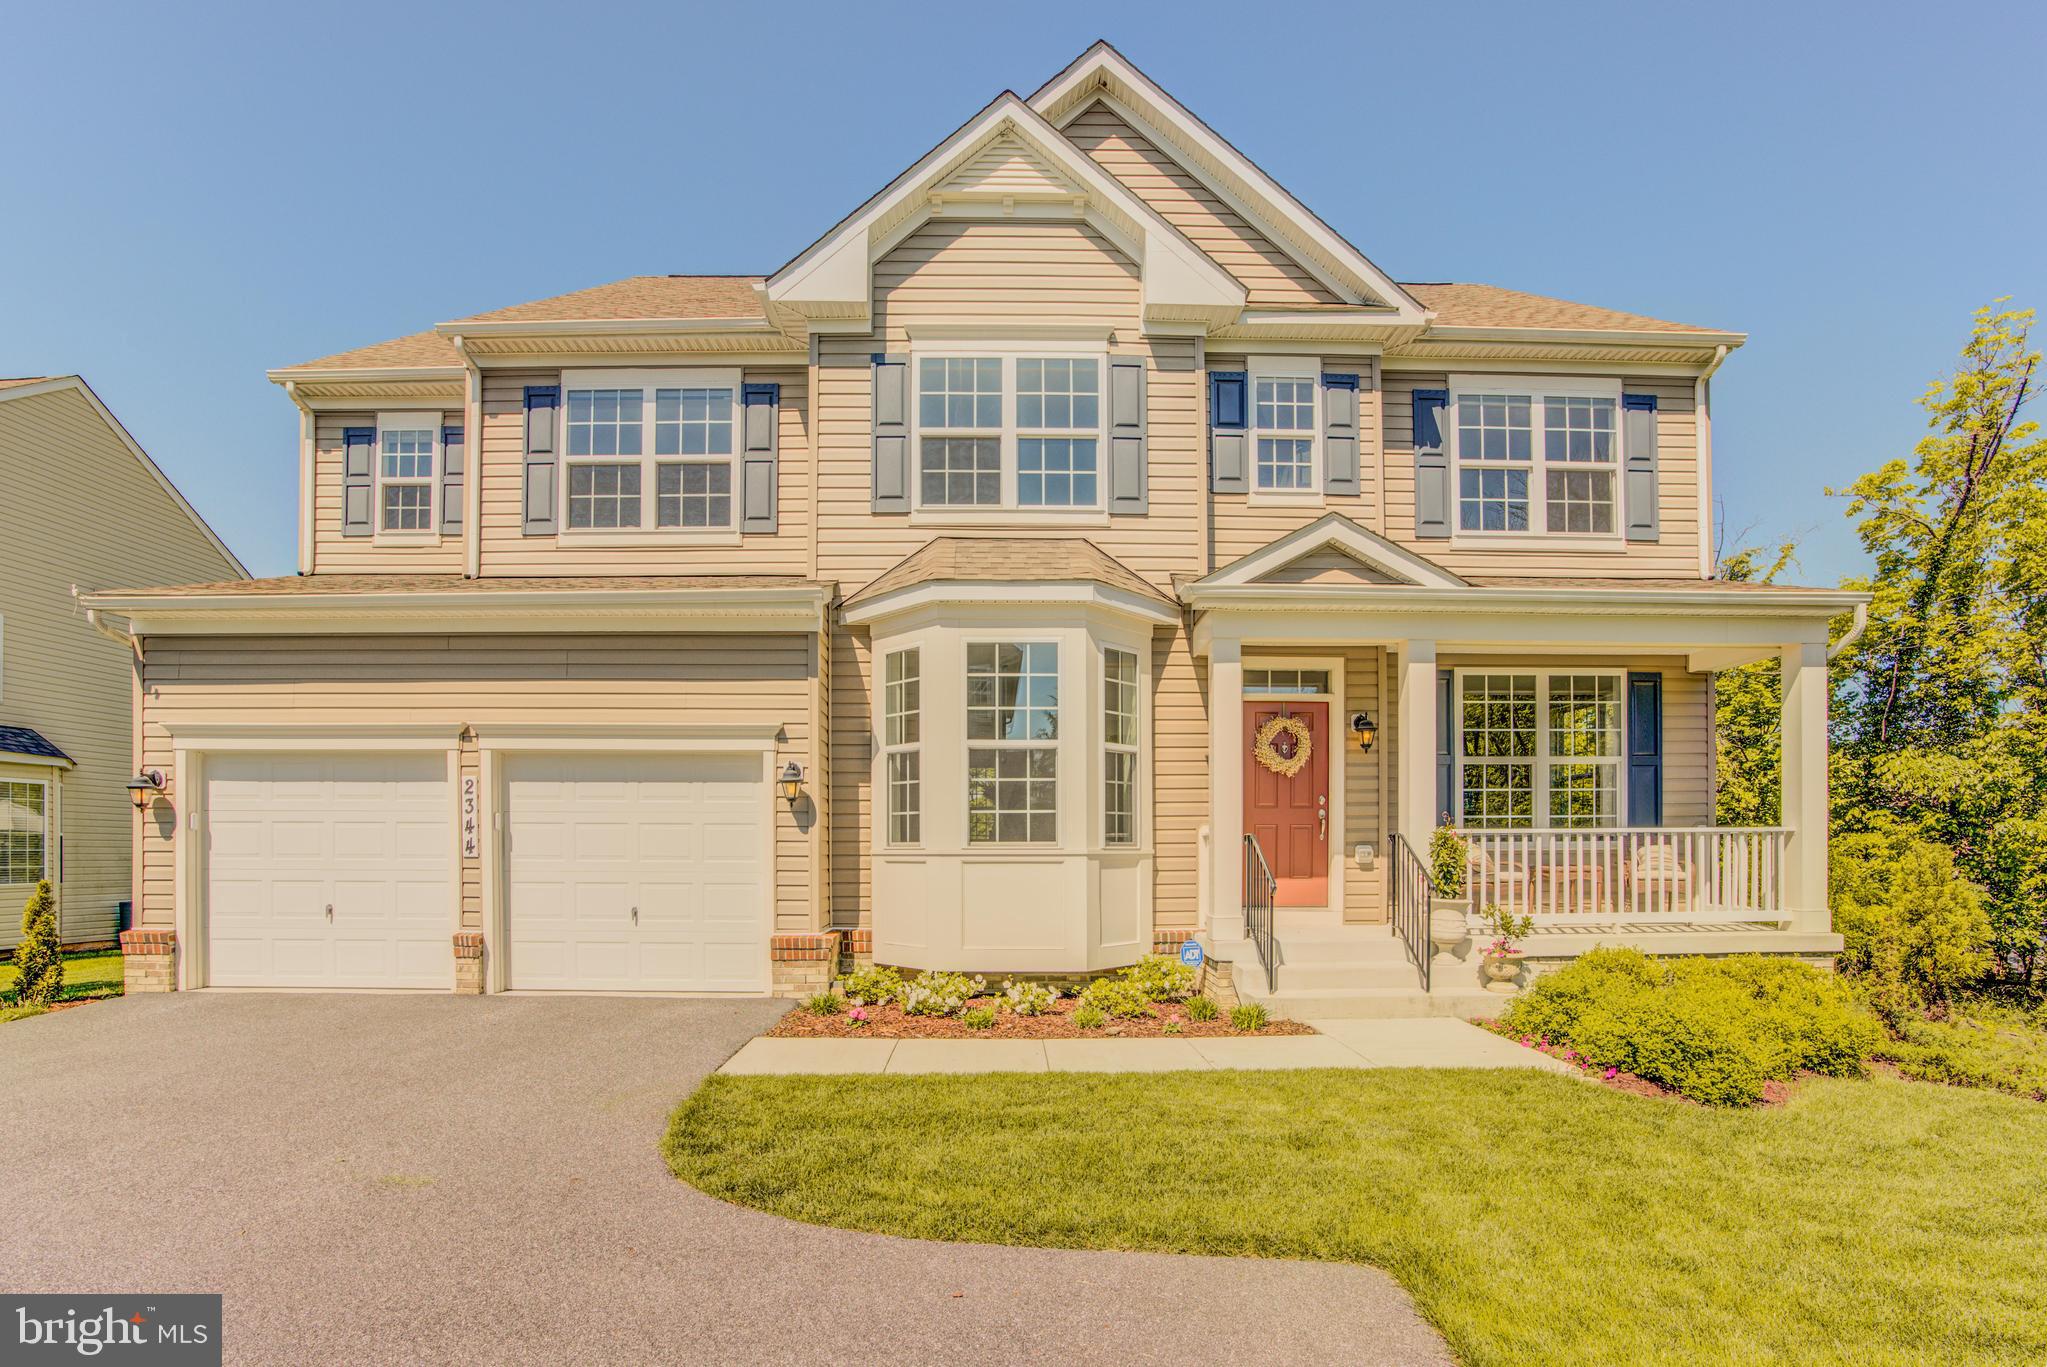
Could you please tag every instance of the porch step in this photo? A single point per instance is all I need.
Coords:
(1375, 1003)
(1328, 974)
(1357, 945)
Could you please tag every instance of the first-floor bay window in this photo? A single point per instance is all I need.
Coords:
(24, 828)
(1119, 747)
(619, 475)
(902, 742)
(1539, 750)
(1012, 692)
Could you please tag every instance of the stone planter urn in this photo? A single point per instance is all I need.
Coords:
(1501, 969)
(1449, 926)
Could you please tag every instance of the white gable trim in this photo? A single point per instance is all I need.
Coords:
(831, 280)
(1099, 72)
(76, 382)
(1345, 535)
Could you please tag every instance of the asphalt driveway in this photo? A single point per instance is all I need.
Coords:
(437, 1178)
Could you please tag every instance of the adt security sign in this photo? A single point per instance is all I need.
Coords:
(1190, 954)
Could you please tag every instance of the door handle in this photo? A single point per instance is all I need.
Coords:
(636, 915)
(1322, 824)
(330, 911)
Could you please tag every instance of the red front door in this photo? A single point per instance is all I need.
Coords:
(1289, 817)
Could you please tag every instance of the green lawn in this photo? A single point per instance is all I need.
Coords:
(92, 973)
(1534, 1218)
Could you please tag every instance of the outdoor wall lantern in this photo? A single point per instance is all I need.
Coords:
(1365, 729)
(145, 786)
(791, 782)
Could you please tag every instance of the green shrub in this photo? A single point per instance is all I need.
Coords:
(825, 1004)
(1202, 1009)
(1449, 858)
(1910, 924)
(1249, 1016)
(1116, 997)
(978, 1018)
(940, 994)
(1984, 1046)
(1029, 999)
(1715, 1030)
(1170, 1028)
(1090, 1017)
(872, 986)
(1160, 979)
(39, 958)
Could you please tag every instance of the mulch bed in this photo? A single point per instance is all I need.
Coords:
(889, 1022)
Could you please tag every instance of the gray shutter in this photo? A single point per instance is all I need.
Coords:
(1339, 434)
(1638, 438)
(1431, 466)
(1127, 476)
(757, 457)
(891, 492)
(358, 480)
(1229, 436)
(451, 481)
(543, 408)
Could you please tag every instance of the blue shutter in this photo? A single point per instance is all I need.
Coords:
(1638, 438)
(1340, 434)
(760, 448)
(358, 480)
(1229, 440)
(452, 464)
(543, 408)
(1446, 750)
(1645, 749)
(1432, 503)
(891, 476)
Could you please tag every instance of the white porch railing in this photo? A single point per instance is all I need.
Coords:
(1643, 874)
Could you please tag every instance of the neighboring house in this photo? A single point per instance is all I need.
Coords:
(86, 508)
(1003, 524)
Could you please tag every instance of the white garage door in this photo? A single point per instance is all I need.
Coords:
(329, 871)
(638, 873)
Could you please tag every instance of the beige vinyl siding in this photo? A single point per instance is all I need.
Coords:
(486, 681)
(334, 553)
(89, 514)
(1179, 779)
(1007, 166)
(1675, 554)
(1273, 279)
(507, 550)
(851, 745)
(1244, 523)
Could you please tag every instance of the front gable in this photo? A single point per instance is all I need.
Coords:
(1332, 552)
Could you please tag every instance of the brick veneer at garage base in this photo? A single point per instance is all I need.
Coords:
(149, 961)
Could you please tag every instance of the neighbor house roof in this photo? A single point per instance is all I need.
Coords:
(1458, 304)
(1010, 560)
(21, 741)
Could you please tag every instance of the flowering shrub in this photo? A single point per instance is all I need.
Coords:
(857, 1018)
(940, 994)
(1116, 997)
(1160, 979)
(1506, 928)
(1249, 1016)
(1029, 999)
(872, 986)
(1202, 1009)
(1090, 1018)
(978, 1018)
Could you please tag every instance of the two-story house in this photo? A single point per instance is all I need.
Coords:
(1077, 545)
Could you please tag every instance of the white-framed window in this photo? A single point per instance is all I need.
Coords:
(902, 743)
(1119, 746)
(1537, 749)
(24, 831)
(408, 458)
(1012, 691)
(1285, 683)
(677, 478)
(1285, 455)
(1536, 455)
(1007, 430)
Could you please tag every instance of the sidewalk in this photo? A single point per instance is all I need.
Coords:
(1431, 1042)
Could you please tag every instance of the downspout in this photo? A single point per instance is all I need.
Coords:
(1702, 404)
(306, 438)
(472, 474)
(1855, 630)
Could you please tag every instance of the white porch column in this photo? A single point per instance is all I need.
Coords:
(1226, 789)
(1805, 784)
(1414, 800)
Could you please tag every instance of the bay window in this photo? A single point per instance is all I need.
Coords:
(902, 739)
(1012, 751)
(1009, 431)
(1538, 750)
(24, 832)
(1119, 747)
(1536, 455)
(612, 463)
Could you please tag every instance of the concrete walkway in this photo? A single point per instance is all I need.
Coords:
(1431, 1042)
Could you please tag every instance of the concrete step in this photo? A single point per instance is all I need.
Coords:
(1373, 946)
(1316, 975)
(1377, 1003)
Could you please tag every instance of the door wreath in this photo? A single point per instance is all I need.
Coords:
(1283, 745)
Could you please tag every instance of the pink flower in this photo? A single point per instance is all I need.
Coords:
(1612, 1073)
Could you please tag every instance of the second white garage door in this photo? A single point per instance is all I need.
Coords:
(636, 873)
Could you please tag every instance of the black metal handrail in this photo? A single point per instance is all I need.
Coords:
(1414, 897)
(1259, 886)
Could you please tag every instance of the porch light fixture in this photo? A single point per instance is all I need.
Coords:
(145, 786)
(791, 782)
(1365, 729)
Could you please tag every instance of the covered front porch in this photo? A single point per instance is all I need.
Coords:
(1564, 729)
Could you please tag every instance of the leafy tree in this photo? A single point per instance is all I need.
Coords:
(1748, 754)
(1909, 921)
(38, 959)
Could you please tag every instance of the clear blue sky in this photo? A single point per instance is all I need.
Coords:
(193, 195)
